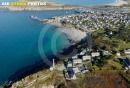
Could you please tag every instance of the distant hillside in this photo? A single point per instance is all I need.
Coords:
(34, 0)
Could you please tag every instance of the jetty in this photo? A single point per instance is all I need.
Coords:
(39, 19)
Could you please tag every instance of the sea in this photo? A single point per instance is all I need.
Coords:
(19, 36)
(85, 2)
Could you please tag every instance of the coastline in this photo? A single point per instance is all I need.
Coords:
(57, 6)
(36, 8)
(77, 36)
(119, 3)
(48, 6)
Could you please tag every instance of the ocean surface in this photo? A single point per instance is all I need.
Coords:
(85, 2)
(19, 36)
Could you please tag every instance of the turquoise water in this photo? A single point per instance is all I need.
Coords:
(19, 36)
(85, 2)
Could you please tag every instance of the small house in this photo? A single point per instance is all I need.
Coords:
(94, 54)
(83, 52)
(77, 61)
(75, 57)
(69, 64)
(84, 69)
(118, 54)
(127, 51)
(104, 53)
(71, 73)
(76, 69)
(127, 62)
(86, 58)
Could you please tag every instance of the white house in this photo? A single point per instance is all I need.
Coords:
(74, 57)
(127, 51)
(86, 58)
(118, 54)
(77, 61)
(104, 53)
(94, 54)
(76, 69)
(83, 52)
(85, 71)
(69, 65)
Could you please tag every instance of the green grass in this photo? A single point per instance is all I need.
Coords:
(113, 63)
(105, 38)
(98, 32)
(124, 45)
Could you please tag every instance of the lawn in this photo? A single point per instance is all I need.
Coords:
(124, 45)
(116, 64)
(98, 32)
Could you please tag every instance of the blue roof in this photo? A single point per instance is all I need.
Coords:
(70, 71)
(127, 61)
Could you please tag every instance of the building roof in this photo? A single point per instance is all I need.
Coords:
(86, 57)
(104, 53)
(70, 71)
(74, 57)
(128, 50)
(127, 61)
(95, 54)
(77, 60)
(76, 69)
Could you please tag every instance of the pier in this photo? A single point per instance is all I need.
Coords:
(39, 19)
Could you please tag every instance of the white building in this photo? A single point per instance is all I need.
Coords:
(85, 71)
(77, 61)
(127, 51)
(74, 57)
(83, 52)
(94, 54)
(118, 54)
(86, 58)
(53, 66)
(76, 69)
(104, 53)
(69, 65)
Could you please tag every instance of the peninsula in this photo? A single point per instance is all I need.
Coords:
(104, 62)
